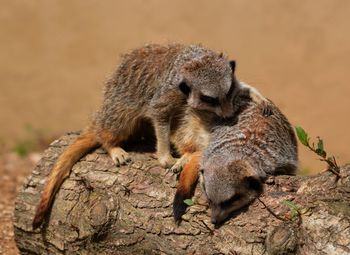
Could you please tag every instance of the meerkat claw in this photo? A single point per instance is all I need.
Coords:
(166, 161)
(180, 163)
(119, 156)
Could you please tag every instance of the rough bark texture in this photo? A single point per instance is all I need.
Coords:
(103, 209)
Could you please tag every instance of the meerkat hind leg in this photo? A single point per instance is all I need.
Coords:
(111, 143)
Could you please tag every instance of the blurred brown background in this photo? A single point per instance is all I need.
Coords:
(55, 56)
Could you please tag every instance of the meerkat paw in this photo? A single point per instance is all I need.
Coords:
(178, 166)
(166, 161)
(119, 156)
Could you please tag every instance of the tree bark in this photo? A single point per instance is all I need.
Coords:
(104, 209)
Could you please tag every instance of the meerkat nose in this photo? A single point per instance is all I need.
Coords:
(214, 221)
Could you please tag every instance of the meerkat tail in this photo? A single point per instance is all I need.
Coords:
(186, 186)
(80, 147)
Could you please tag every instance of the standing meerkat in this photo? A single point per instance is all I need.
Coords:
(155, 83)
(240, 155)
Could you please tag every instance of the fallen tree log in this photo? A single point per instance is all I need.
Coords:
(104, 209)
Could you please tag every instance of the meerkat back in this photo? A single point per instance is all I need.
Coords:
(240, 156)
(262, 135)
(157, 83)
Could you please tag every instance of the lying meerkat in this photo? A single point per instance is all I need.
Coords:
(241, 153)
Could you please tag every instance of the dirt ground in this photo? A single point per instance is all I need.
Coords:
(13, 171)
(55, 56)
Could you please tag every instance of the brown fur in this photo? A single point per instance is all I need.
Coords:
(148, 86)
(110, 140)
(188, 148)
(186, 185)
(256, 123)
(83, 144)
(189, 174)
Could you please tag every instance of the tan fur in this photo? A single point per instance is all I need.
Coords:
(154, 83)
(83, 144)
(238, 154)
(190, 136)
(240, 157)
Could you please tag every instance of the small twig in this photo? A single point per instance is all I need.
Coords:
(332, 163)
(319, 150)
(208, 228)
(330, 169)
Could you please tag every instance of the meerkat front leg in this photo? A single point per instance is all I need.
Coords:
(162, 129)
(177, 167)
(119, 156)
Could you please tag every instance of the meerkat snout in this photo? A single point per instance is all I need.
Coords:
(201, 76)
(229, 187)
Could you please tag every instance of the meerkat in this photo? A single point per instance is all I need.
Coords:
(192, 132)
(240, 154)
(154, 83)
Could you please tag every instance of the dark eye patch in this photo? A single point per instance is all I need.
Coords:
(184, 88)
(213, 101)
(229, 201)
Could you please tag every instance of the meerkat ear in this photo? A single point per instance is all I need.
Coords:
(233, 65)
(253, 183)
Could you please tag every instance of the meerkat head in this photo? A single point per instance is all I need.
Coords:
(228, 187)
(209, 84)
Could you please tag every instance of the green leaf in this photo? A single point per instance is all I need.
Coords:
(291, 205)
(188, 202)
(320, 144)
(320, 148)
(321, 153)
(302, 135)
(294, 214)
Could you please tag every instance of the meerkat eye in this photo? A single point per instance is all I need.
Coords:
(184, 88)
(228, 202)
(210, 100)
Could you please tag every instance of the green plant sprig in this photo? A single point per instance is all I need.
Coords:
(295, 211)
(319, 150)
